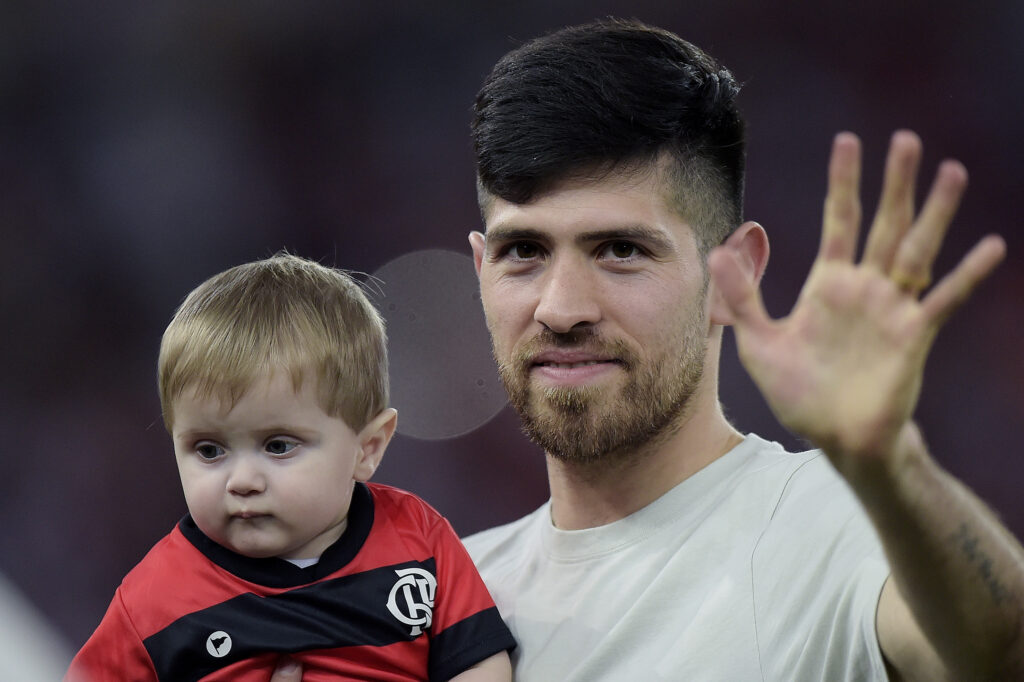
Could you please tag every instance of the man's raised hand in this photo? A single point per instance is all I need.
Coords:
(844, 368)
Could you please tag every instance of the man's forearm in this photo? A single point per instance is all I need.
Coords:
(960, 571)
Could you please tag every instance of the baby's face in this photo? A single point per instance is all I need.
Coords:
(273, 475)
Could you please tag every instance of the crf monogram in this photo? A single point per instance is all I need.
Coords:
(412, 598)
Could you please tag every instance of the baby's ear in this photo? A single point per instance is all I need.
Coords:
(373, 440)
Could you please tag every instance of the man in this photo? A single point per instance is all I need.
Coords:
(610, 162)
(610, 176)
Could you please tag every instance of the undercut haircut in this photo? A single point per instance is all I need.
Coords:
(284, 313)
(608, 97)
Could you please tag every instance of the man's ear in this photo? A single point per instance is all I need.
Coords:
(477, 241)
(373, 440)
(749, 244)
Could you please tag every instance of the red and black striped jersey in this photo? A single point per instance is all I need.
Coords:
(395, 598)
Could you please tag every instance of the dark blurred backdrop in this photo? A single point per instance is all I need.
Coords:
(146, 146)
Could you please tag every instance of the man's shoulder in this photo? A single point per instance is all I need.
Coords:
(760, 454)
(501, 541)
(804, 478)
(765, 469)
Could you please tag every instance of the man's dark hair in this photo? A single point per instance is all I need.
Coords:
(612, 96)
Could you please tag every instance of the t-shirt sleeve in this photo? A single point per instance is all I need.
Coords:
(818, 573)
(113, 652)
(467, 627)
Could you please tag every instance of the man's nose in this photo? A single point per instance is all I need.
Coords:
(568, 296)
(247, 476)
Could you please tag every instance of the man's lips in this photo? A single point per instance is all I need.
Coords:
(570, 360)
(567, 368)
(573, 365)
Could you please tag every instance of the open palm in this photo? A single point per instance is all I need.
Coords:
(844, 368)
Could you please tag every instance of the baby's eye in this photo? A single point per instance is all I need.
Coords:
(209, 451)
(280, 446)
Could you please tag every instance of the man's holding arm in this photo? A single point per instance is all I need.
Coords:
(952, 608)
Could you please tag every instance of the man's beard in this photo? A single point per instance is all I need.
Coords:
(588, 424)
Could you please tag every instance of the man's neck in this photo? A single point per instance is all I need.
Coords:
(587, 496)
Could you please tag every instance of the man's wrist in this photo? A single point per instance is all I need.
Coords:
(888, 475)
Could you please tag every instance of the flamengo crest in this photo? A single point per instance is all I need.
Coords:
(412, 598)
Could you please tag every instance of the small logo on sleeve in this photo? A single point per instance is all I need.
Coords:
(218, 644)
(412, 599)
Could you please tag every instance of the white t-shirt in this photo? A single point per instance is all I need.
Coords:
(761, 566)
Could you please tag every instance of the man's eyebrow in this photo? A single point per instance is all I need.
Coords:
(513, 234)
(641, 233)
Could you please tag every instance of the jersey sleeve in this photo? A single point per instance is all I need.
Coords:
(467, 627)
(113, 652)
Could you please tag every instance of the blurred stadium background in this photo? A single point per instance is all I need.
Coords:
(146, 146)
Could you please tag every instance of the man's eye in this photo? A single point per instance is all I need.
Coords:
(209, 450)
(279, 446)
(623, 249)
(524, 250)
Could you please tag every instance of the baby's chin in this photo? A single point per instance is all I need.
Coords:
(255, 552)
(250, 540)
(259, 550)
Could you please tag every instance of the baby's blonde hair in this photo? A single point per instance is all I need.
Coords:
(284, 313)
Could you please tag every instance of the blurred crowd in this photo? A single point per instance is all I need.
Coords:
(144, 147)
